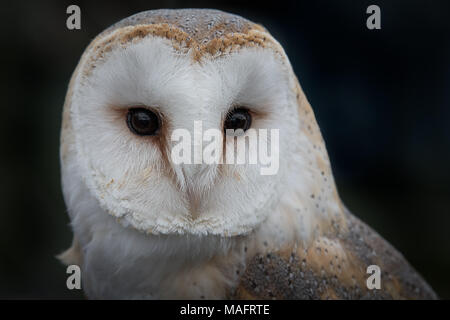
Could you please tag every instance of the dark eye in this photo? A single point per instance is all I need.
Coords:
(239, 118)
(143, 122)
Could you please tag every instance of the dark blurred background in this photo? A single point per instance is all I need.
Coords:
(381, 98)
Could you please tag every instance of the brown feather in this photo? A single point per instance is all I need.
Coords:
(333, 267)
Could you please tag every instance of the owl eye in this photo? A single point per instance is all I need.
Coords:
(143, 122)
(239, 118)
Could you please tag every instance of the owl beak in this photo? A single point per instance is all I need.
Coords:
(197, 177)
(198, 181)
(194, 204)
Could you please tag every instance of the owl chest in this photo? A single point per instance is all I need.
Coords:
(114, 272)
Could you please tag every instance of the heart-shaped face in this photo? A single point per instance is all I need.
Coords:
(147, 93)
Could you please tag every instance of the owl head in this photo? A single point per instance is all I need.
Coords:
(158, 72)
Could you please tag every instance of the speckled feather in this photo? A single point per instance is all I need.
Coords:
(332, 267)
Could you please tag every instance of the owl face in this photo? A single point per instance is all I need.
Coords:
(128, 99)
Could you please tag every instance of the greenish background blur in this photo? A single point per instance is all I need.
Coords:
(381, 97)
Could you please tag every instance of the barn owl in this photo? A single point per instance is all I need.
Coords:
(146, 228)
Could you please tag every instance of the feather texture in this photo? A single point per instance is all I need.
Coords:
(286, 236)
